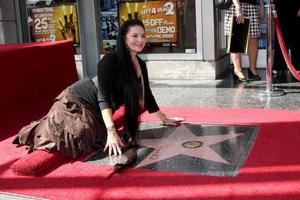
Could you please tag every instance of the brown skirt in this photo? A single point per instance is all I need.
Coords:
(70, 127)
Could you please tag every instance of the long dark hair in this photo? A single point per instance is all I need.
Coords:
(130, 81)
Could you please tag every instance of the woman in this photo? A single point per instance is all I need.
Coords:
(248, 9)
(81, 118)
(123, 79)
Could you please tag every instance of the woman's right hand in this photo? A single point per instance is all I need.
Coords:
(239, 16)
(113, 142)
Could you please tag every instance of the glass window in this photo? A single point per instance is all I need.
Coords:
(262, 39)
(53, 20)
(109, 24)
(170, 25)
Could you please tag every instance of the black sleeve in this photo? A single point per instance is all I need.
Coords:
(150, 102)
(106, 74)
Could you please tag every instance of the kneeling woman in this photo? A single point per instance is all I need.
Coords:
(81, 118)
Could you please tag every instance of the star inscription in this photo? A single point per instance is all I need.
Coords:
(183, 141)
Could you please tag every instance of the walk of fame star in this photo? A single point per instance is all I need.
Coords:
(183, 143)
(215, 150)
(180, 142)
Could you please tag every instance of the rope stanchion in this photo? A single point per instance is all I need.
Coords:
(270, 91)
(284, 50)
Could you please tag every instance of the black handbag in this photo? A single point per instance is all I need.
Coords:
(225, 4)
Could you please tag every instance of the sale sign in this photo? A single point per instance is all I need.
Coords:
(55, 23)
(159, 18)
(43, 28)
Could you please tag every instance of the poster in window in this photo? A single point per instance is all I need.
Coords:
(110, 28)
(159, 18)
(66, 24)
(53, 23)
(109, 5)
(43, 26)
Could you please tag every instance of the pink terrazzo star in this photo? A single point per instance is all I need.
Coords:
(183, 141)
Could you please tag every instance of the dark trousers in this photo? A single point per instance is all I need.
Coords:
(289, 23)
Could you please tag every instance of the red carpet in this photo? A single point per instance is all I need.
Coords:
(37, 163)
(272, 170)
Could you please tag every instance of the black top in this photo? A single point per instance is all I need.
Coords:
(86, 92)
(254, 2)
(110, 84)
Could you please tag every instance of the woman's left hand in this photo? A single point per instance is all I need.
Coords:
(173, 121)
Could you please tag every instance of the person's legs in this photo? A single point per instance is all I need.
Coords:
(252, 12)
(252, 54)
(236, 59)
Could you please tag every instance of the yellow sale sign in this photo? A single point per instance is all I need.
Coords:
(159, 18)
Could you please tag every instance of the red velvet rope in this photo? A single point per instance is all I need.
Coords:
(284, 50)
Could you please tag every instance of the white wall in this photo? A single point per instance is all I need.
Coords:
(261, 59)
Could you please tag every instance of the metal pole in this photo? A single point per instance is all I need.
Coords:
(270, 91)
(269, 48)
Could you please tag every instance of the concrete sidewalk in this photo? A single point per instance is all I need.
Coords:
(228, 93)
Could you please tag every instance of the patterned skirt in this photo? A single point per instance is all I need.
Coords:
(70, 127)
(250, 11)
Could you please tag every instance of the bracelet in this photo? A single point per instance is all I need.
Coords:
(110, 128)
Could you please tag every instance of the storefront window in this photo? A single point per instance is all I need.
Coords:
(262, 39)
(170, 25)
(53, 20)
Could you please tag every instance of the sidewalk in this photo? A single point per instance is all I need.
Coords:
(227, 93)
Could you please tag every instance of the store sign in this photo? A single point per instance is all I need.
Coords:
(55, 23)
(159, 18)
(43, 27)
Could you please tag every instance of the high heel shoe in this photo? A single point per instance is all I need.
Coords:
(236, 77)
(252, 76)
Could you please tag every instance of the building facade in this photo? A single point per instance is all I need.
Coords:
(185, 37)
